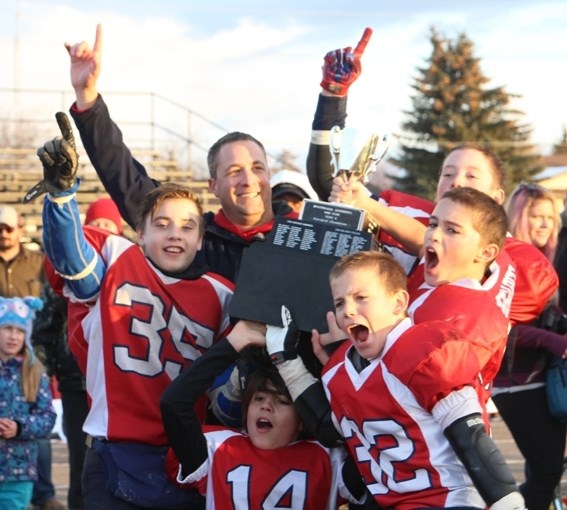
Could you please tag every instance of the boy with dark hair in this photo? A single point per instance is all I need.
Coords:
(267, 464)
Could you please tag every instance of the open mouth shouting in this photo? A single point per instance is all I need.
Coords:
(431, 258)
(358, 332)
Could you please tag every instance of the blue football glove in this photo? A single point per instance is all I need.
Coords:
(281, 342)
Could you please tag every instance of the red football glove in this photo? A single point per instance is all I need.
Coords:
(342, 67)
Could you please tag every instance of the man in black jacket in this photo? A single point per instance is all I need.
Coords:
(239, 174)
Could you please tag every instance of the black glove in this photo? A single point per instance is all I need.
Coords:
(60, 162)
(281, 342)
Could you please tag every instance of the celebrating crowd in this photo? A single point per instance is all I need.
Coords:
(181, 406)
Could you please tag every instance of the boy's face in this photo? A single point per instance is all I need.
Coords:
(171, 238)
(11, 342)
(468, 168)
(242, 184)
(453, 248)
(105, 224)
(541, 221)
(365, 311)
(271, 420)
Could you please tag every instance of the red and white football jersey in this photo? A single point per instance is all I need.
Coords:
(237, 475)
(142, 330)
(536, 279)
(480, 310)
(393, 413)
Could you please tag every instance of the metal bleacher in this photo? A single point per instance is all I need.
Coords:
(20, 169)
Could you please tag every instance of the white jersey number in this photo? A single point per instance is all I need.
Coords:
(386, 432)
(292, 485)
(149, 331)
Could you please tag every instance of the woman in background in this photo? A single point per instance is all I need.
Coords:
(519, 387)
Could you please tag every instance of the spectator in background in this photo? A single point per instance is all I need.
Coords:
(50, 340)
(22, 275)
(291, 187)
(561, 257)
(519, 388)
(103, 213)
(21, 269)
(25, 403)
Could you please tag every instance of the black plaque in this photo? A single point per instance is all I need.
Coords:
(292, 268)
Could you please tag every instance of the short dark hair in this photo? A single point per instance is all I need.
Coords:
(260, 380)
(498, 169)
(234, 136)
(157, 196)
(388, 269)
(488, 216)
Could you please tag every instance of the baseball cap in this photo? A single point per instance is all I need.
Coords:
(8, 216)
(289, 181)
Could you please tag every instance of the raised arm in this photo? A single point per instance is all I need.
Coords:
(306, 391)
(408, 231)
(182, 426)
(124, 178)
(340, 69)
(63, 238)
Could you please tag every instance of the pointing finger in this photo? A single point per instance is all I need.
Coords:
(66, 129)
(98, 39)
(361, 46)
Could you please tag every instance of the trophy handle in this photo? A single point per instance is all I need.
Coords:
(335, 139)
(380, 148)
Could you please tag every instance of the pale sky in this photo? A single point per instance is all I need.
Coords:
(254, 65)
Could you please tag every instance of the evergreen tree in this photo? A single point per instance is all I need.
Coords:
(452, 105)
(561, 146)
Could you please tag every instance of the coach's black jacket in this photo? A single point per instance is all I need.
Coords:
(127, 182)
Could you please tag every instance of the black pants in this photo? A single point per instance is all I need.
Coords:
(541, 440)
(75, 410)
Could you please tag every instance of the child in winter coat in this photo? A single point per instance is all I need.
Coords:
(26, 412)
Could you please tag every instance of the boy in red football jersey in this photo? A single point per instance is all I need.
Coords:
(151, 312)
(264, 466)
(403, 396)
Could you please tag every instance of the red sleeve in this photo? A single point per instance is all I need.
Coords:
(536, 281)
(410, 205)
(442, 360)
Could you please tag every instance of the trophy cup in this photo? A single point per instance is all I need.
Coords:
(354, 155)
(292, 266)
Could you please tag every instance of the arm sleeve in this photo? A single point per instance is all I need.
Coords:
(310, 401)
(67, 248)
(533, 337)
(331, 111)
(481, 457)
(124, 178)
(182, 426)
